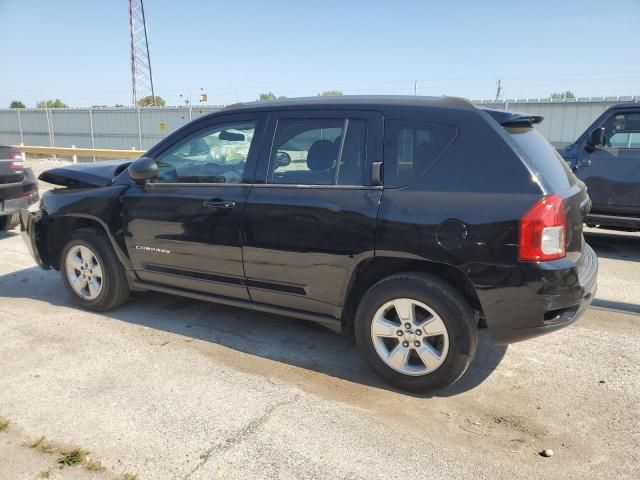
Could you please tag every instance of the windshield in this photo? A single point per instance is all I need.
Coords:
(544, 159)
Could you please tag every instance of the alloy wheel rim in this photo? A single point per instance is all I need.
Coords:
(84, 272)
(410, 337)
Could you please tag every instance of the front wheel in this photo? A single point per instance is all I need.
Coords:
(416, 331)
(92, 272)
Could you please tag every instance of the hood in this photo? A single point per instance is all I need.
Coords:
(82, 175)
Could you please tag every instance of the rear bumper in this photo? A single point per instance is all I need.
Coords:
(30, 229)
(13, 205)
(549, 296)
(15, 197)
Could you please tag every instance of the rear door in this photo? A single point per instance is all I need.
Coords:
(612, 173)
(313, 217)
(184, 229)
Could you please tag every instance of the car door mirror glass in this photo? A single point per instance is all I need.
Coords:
(143, 169)
(596, 138)
(283, 159)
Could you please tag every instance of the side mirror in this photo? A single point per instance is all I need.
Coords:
(596, 139)
(143, 169)
(283, 159)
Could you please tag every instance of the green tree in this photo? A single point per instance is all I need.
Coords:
(270, 96)
(57, 103)
(562, 95)
(17, 104)
(148, 101)
(331, 93)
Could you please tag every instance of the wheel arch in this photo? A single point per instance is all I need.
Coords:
(373, 269)
(61, 227)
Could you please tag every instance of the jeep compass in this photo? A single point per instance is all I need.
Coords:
(408, 222)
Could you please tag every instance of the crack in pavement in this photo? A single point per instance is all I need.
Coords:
(241, 435)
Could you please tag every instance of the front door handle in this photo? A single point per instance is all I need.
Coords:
(217, 203)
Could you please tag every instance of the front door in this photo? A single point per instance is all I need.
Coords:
(612, 173)
(313, 217)
(184, 228)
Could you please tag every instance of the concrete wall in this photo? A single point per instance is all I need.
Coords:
(140, 128)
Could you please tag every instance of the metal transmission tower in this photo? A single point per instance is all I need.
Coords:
(141, 78)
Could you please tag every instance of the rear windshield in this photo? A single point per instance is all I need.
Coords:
(544, 160)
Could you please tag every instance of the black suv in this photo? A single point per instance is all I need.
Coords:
(607, 158)
(407, 221)
(18, 187)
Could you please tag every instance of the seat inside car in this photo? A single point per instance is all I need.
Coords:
(321, 159)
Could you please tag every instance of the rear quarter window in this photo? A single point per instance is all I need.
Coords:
(410, 148)
(543, 158)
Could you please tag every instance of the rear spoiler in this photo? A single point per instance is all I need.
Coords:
(514, 119)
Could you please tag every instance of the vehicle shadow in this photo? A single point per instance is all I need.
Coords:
(613, 244)
(281, 339)
(8, 234)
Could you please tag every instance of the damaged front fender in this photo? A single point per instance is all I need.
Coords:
(33, 229)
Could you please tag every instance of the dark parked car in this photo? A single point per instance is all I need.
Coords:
(406, 221)
(18, 187)
(607, 158)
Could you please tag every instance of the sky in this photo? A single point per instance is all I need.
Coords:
(78, 50)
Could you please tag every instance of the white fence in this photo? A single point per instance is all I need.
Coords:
(563, 121)
(117, 128)
(141, 128)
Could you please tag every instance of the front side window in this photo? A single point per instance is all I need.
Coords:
(411, 147)
(215, 155)
(623, 130)
(319, 152)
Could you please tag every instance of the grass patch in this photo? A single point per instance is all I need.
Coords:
(94, 465)
(43, 445)
(69, 458)
(129, 476)
(4, 423)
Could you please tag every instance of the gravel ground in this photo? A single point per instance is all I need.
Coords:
(166, 388)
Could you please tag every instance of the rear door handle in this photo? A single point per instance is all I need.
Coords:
(217, 203)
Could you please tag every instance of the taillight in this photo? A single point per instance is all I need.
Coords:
(543, 230)
(17, 165)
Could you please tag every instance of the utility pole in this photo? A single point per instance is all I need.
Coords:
(499, 89)
(141, 78)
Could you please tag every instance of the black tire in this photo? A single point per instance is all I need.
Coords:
(447, 302)
(9, 222)
(115, 288)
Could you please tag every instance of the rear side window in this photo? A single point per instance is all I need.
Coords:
(543, 158)
(410, 148)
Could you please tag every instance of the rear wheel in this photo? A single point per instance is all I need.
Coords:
(8, 222)
(416, 331)
(92, 272)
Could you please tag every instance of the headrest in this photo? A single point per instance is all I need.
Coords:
(321, 156)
